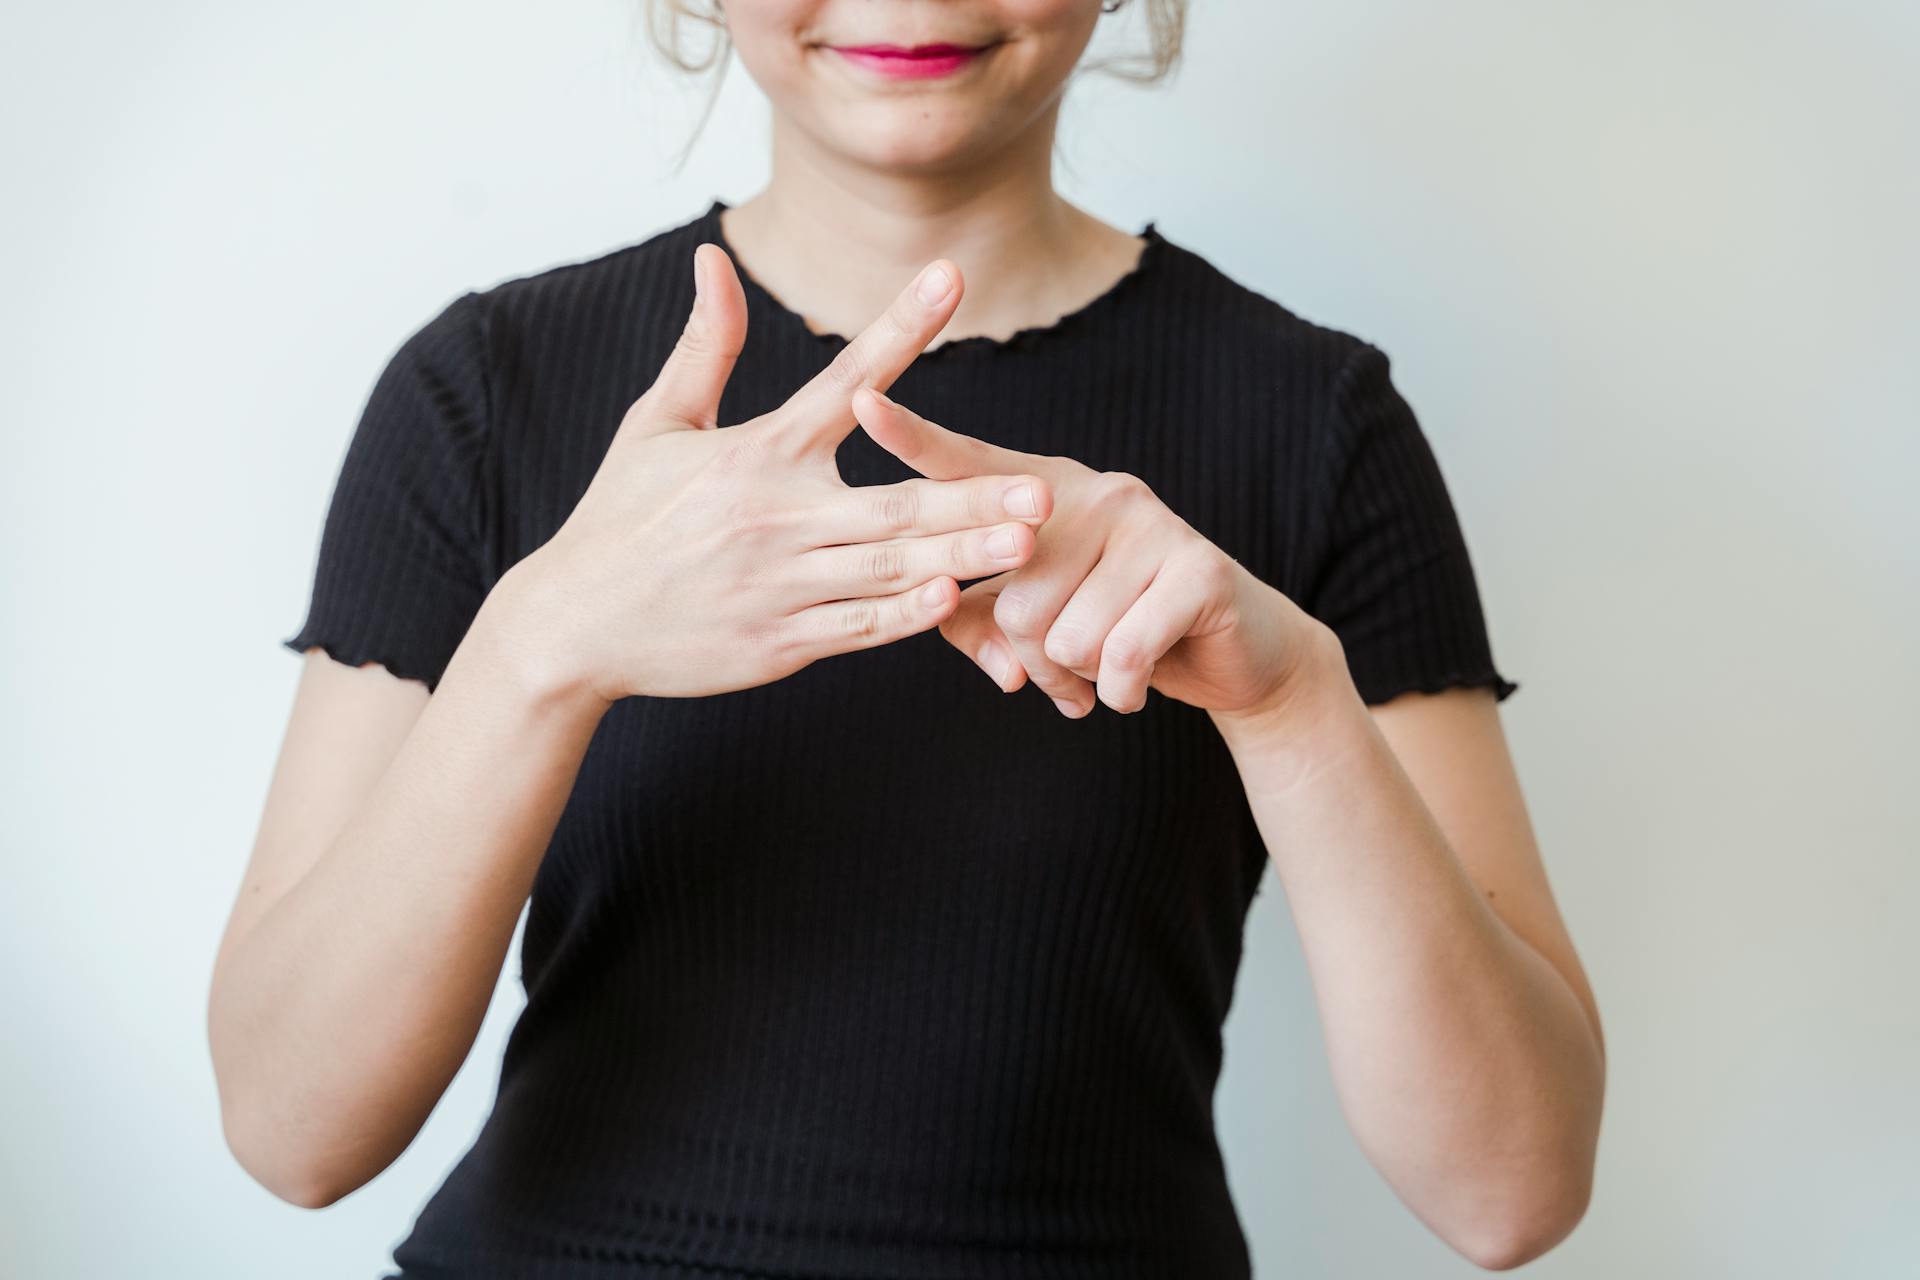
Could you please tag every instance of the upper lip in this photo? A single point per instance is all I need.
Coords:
(911, 50)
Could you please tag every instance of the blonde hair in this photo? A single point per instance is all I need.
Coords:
(669, 20)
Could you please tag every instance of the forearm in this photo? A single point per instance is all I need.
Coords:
(1464, 1062)
(337, 1021)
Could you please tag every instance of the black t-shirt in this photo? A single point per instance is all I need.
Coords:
(876, 970)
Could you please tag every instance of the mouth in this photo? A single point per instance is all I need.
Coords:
(912, 62)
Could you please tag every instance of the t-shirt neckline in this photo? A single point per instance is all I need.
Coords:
(1112, 296)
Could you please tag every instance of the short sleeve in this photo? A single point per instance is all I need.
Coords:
(1393, 578)
(401, 570)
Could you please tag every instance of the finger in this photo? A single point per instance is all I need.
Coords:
(1025, 611)
(929, 448)
(840, 626)
(686, 394)
(818, 416)
(1079, 632)
(972, 630)
(919, 506)
(1159, 619)
(878, 568)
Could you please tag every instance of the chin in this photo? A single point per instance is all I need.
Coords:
(904, 135)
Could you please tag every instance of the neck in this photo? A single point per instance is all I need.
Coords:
(835, 241)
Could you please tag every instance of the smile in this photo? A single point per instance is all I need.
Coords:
(919, 62)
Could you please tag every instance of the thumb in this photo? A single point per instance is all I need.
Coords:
(686, 394)
(927, 447)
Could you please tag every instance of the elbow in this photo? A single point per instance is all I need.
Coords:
(297, 1167)
(1528, 1230)
(307, 1195)
(1525, 1204)
(292, 1175)
(255, 1126)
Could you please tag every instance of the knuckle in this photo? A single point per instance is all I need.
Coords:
(899, 508)
(694, 340)
(1066, 646)
(960, 557)
(757, 521)
(848, 370)
(1122, 653)
(1118, 491)
(803, 635)
(899, 321)
(1214, 572)
(861, 620)
(883, 564)
(772, 638)
(1014, 612)
(738, 451)
(747, 515)
(1057, 687)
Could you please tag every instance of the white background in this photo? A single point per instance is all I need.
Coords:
(1646, 270)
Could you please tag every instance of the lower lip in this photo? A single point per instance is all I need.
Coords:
(896, 67)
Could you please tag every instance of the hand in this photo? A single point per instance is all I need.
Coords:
(1121, 594)
(702, 560)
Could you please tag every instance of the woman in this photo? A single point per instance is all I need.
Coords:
(872, 966)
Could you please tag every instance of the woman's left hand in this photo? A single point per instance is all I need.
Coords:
(1120, 594)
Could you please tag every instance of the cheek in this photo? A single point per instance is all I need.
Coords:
(1058, 29)
(768, 39)
(767, 46)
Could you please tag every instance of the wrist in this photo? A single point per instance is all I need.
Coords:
(522, 654)
(1314, 700)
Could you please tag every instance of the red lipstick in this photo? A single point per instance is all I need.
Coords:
(916, 62)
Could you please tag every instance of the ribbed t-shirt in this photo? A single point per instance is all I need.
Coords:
(875, 970)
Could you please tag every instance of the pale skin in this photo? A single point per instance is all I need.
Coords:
(1465, 1043)
(402, 830)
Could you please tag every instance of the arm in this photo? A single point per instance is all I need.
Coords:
(398, 844)
(405, 822)
(1464, 1040)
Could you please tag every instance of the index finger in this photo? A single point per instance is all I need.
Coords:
(820, 415)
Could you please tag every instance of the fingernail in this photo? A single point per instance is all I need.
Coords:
(933, 285)
(994, 659)
(1069, 709)
(933, 593)
(696, 276)
(1019, 501)
(1000, 544)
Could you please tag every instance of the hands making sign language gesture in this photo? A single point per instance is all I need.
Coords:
(703, 559)
(1120, 595)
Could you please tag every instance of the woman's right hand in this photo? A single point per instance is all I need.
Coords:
(704, 559)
